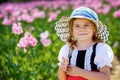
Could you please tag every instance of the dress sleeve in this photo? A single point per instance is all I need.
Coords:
(63, 53)
(104, 55)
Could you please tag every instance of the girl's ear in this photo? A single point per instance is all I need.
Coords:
(94, 31)
(94, 34)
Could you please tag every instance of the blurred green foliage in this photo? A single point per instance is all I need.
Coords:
(39, 63)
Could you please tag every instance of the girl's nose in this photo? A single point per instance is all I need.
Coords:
(81, 28)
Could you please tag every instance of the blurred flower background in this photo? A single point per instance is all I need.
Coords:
(29, 45)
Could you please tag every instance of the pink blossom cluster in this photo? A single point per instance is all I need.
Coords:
(43, 38)
(11, 13)
(28, 12)
(117, 14)
(114, 3)
(53, 15)
(17, 28)
(27, 40)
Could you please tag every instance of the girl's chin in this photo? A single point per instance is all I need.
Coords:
(82, 38)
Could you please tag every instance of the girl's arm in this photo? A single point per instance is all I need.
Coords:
(103, 74)
(61, 74)
(62, 69)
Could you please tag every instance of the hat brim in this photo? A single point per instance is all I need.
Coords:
(94, 21)
(62, 28)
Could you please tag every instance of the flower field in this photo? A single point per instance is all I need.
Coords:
(29, 45)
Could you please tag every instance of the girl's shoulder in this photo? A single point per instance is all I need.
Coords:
(63, 53)
(104, 49)
(66, 46)
(64, 50)
(103, 46)
(104, 55)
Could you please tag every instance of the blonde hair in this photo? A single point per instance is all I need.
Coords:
(72, 41)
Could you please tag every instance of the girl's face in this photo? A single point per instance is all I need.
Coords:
(83, 29)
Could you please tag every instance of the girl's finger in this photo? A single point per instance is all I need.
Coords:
(63, 66)
(63, 59)
(67, 61)
(68, 73)
(69, 68)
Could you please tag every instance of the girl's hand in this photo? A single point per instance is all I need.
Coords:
(65, 63)
(73, 70)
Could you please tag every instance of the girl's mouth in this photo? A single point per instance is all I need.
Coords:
(83, 34)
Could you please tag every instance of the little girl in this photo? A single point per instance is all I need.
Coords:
(85, 56)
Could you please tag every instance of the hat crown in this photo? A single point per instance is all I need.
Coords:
(62, 26)
(84, 12)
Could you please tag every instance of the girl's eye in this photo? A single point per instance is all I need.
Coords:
(87, 25)
(76, 26)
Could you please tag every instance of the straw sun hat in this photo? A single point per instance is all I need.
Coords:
(62, 26)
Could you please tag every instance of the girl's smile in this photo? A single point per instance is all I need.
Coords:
(83, 29)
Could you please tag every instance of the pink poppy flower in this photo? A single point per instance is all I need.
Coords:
(17, 28)
(6, 21)
(117, 14)
(32, 41)
(53, 16)
(23, 43)
(45, 41)
(44, 34)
